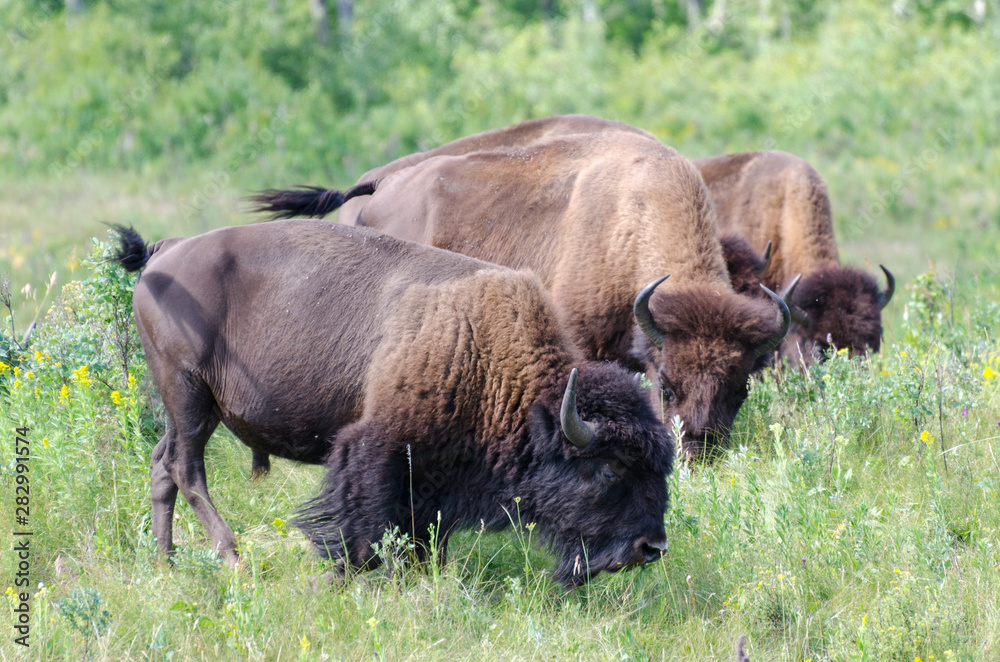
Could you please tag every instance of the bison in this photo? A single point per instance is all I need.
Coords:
(777, 197)
(745, 266)
(437, 388)
(761, 197)
(596, 216)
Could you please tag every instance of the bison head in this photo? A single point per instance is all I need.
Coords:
(745, 266)
(596, 480)
(699, 346)
(835, 307)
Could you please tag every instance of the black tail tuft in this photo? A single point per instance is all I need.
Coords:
(132, 251)
(313, 201)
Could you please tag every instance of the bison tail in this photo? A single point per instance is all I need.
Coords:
(313, 201)
(132, 252)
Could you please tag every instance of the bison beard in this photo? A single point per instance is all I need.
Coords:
(365, 491)
(404, 366)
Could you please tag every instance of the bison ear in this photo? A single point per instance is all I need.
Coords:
(542, 423)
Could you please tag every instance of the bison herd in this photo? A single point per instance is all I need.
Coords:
(463, 349)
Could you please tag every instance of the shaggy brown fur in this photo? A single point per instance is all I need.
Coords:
(432, 382)
(596, 216)
(778, 197)
(744, 264)
(518, 135)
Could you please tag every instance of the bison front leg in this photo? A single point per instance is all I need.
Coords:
(362, 496)
(260, 465)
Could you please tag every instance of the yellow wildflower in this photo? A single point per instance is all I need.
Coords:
(304, 643)
(926, 437)
(373, 622)
(131, 381)
(989, 373)
(80, 375)
(10, 590)
(864, 620)
(3, 367)
(903, 354)
(39, 357)
(917, 659)
(45, 442)
(29, 374)
(116, 398)
(17, 384)
(64, 394)
(17, 371)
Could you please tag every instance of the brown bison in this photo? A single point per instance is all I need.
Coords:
(596, 216)
(777, 197)
(438, 388)
(745, 266)
(761, 197)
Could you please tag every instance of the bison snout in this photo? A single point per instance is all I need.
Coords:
(650, 549)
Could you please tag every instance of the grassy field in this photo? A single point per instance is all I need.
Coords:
(855, 518)
(856, 515)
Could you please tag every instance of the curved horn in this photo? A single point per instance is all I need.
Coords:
(643, 317)
(765, 257)
(579, 432)
(786, 320)
(890, 287)
(798, 316)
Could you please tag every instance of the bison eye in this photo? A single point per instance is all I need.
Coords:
(667, 392)
(608, 474)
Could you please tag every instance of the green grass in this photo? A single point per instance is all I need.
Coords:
(833, 529)
(841, 525)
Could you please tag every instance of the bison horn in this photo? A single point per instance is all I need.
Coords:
(765, 257)
(579, 432)
(786, 320)
(890, 287)
(643, 317)
(798, 316)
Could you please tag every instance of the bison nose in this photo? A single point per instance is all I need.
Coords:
(650, 549)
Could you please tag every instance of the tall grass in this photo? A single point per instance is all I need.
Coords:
(854, 517)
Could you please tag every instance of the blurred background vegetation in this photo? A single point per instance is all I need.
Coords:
(163, 113)
(834, 507)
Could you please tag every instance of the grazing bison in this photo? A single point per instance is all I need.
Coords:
(763, 197)
(777, 197)
(596, 216)
(429, 381)
(745, 266)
